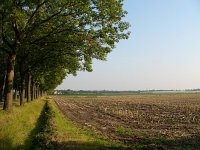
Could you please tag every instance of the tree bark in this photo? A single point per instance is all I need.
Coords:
(2, 84)
(35, 92)
(32, 90)
(9, 82)
(26, 92)
(41, 93)
(38, 91)
(35, 95)
(22, 90)
(1, 93)
(29, 88)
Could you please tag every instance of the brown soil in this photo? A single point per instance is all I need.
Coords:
(148, 116)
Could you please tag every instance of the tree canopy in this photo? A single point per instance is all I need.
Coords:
(48, 39)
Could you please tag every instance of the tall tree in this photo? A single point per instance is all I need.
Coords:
(2, 73)
(81, 29)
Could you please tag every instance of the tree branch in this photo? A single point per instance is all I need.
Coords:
(51, 33)
(38, 61)
(52, 16)
(44, 21)
(30, 20)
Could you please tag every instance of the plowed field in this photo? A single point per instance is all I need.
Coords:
(172, 120)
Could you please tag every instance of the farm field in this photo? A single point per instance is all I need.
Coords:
(170, 121)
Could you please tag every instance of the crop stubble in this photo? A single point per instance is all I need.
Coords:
(168, 116)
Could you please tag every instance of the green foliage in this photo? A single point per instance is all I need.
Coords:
(52, 39)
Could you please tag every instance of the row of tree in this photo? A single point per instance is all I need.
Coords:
(42, 41)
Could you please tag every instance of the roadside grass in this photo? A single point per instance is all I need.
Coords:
(67, 135)
(16, 127)
(41, 125)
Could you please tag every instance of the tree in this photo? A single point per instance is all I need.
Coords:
(81, 29)
(2, 73)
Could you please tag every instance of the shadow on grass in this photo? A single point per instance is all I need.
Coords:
(32, 141)
(41, 137)
(74, 145)
(184, 143)
(6, 144)
(190, 143)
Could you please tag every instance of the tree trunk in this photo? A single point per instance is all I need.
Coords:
(1, 93)
(26, 92)
(29, 88)
(37, 96)
(9, 82)
(32, 90)
(22, 90)
(41, 93)
(2, 85)
(35, 91)
(15, 94)
(38, 91)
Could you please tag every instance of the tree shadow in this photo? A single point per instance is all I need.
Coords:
(184, 143)
(32, 141)
(192, 143)
(6, 144)
(74, 145)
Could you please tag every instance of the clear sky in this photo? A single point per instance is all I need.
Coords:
(163, 51)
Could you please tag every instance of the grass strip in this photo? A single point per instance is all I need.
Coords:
(58, 132)
(18, 126)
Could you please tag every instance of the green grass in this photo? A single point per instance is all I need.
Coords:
(123, 131)
(16, 127)
(68, 136)
(41, 125)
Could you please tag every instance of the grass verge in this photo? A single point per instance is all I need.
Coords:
(60, 133)
(41, 125)
(17, 127)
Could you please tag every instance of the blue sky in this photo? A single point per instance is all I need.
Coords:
(163, 51)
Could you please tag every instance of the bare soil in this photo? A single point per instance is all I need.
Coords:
(168, 119)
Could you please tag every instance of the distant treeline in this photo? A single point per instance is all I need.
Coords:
(99, 92)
